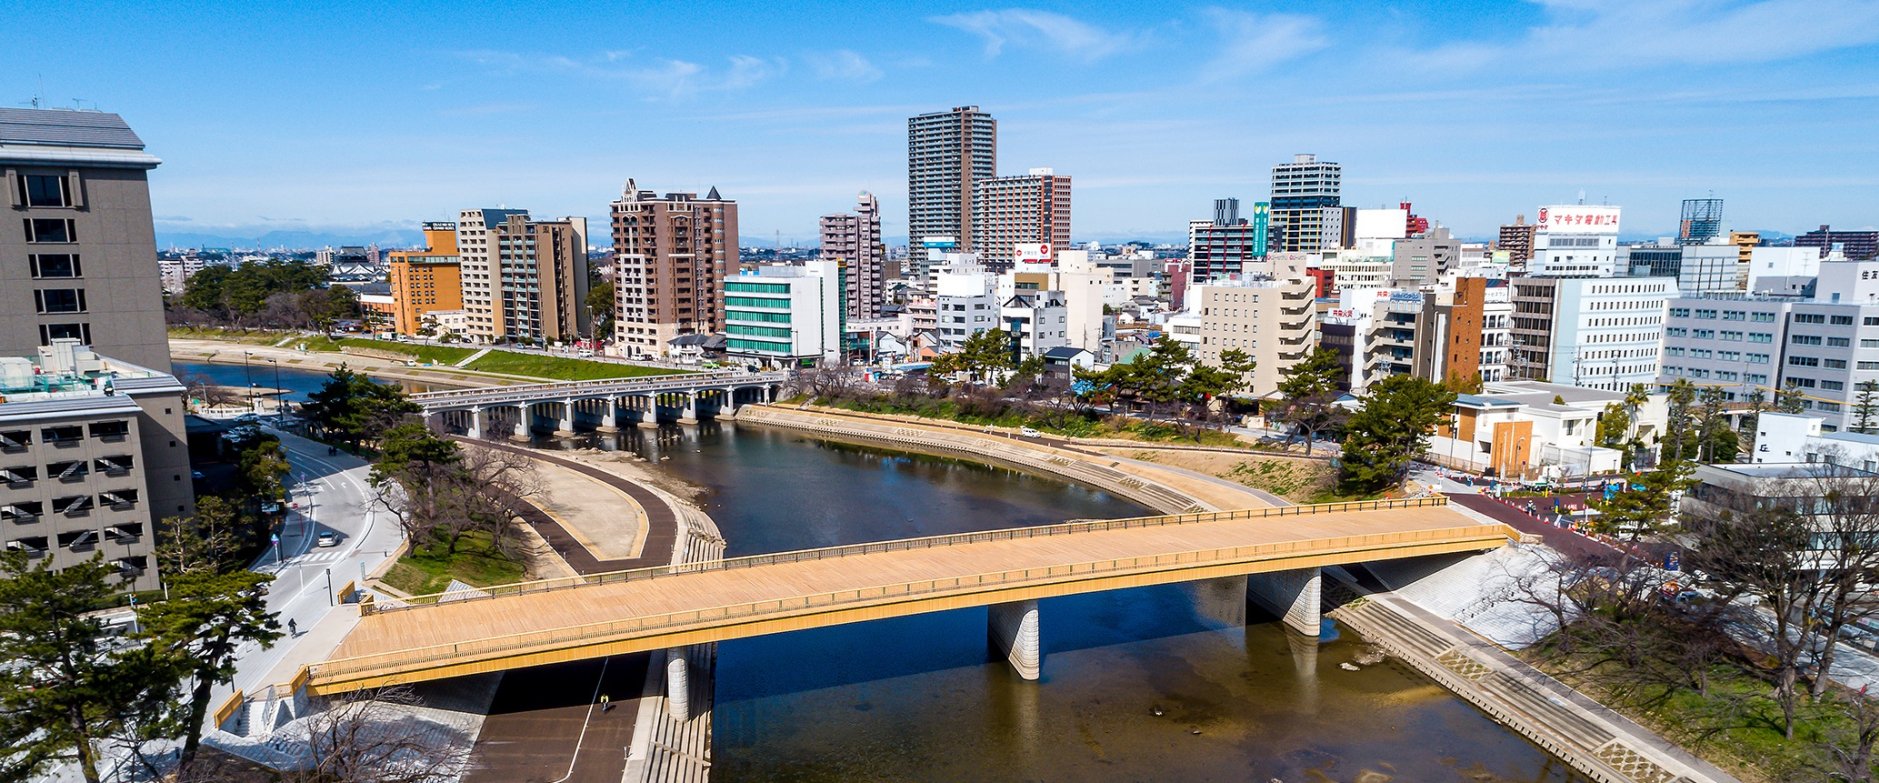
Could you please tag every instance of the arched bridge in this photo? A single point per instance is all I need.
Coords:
(599, 615)
(600, 405)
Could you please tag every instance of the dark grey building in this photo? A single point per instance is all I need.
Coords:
(77, 248)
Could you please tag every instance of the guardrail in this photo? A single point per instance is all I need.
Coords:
(614, 630)
(927, 542)
(615, 384)
(228, 708)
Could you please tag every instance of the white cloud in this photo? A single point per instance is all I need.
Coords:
(1255, 42)
(662, 77)
(843, 65)
(1030, 28)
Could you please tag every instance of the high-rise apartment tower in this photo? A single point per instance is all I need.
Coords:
(670, 256)
(947, 153)
(1030, 209)
(1306, 214)
(854, 238)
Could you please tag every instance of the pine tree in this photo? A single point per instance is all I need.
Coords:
(209, 616)
(1866, 407)
(1390, 431)
(1310, 390)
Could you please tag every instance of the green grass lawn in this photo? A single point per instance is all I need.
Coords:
(428, 354)
(247, 336)
(560, 368)
(430, 569)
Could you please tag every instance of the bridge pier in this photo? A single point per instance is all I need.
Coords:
(609, 415)
(688, 412)
(564, 425)
(1293, 595)
(524, 423)
(1012, 628)
(1221, 600)
(479, 420)
(678, 688)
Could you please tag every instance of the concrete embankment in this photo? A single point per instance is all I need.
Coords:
(258, 356)
(1157, 488)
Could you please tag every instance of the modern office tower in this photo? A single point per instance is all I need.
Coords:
(1532, 356)
(77, 247)
(1008, 211)
(1223, 246)
(1855, 245)
(783, 315)
(1715, 266)
(947, 154)
(426, 281)
(1608, 333)
(1576, 241)
(523, 280)
(1272, 319)
(670, 257)
(1305, 204)
(1517, 240)
(1701, 221)
(855, 239)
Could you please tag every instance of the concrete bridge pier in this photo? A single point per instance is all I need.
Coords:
(564, 421)
(479, 423)
(524, 423)
(1012, 629)
(678, 687)
(1222, 601)
(609, 415)
(1292, 595)
(688, 408)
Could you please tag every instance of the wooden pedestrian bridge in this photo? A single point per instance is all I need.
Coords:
(1276, 551)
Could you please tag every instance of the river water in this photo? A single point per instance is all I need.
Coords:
(1167, 683)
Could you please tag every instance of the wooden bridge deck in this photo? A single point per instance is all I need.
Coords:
(791, 592)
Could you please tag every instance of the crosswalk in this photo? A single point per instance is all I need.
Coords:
(328, 555)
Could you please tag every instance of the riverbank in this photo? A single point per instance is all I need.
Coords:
(258, 357)
(1164, 489)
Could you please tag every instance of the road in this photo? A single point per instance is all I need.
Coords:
(331, 493)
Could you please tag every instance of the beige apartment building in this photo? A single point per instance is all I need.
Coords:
(1033, 208)
(854, 238)
(670, 256)
(1272, 319)
(523, 280)
(77, 248)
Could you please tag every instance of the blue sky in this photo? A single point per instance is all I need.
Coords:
(350, 118)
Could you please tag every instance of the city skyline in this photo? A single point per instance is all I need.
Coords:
(1474, 112)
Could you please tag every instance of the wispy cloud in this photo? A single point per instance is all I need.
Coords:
(843, 65)
(1255, 42)
(1031, 27)
(660, 77)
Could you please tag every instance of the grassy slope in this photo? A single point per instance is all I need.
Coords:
(430, 569)
(560, 368)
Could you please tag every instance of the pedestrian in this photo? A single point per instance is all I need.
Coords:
(606, 703)
(293, 628)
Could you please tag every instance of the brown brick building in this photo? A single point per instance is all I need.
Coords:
(670, 254)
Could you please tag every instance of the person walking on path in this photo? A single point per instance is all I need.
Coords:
(606, 703)
(293, 628)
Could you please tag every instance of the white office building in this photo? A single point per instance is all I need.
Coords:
(1608, 333)
(1576, 241)
(965, 298)
(786, 315)
(1038, 320)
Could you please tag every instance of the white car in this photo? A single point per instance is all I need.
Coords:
(1028, 432)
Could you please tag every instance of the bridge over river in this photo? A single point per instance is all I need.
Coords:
(597, 405)
(1275, 552)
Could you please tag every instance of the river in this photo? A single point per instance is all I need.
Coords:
(1158, 683)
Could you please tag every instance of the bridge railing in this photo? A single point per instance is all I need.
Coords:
(622, 384)
(391, 663)
(927, 542)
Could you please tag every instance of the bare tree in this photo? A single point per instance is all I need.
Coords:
(370, 737)
(1849, 748)
(491, 481)
(1848, 500)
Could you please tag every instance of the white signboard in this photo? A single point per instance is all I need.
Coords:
(1578, 219)
(1034, 253)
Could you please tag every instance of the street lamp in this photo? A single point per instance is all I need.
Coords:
(279, 393)
(248, 375)
(1454, 434)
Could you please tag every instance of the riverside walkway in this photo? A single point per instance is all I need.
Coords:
(584, 617)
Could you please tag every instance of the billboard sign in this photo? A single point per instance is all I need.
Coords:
(1579, 219)
(1034, 253)
(1262, 225)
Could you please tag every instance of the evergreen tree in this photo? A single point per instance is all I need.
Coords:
(63, 688)
(1646, 504)
(351, 407)
(1390, 431)
(1866, 407)
(1309, 392)
(209, 616)
(1789, 399)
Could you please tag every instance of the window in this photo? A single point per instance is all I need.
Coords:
(45, 190)
(50, 231)
(1680, 312)
(55, 265)
(1804, 339)
(1734, 315)
(1841, 320)
(59, 300)
(1837, 364)
(1803, 361)
(49, 332)
(1710, 314)
(69, 433)
(110, 429)
(1764, 318)
(1833, 385)
(1809, 318)
(1761, 337)
(1871, 320)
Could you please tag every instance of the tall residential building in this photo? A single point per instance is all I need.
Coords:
(1701, 221)
(855, 239)
(1576, 241)
(77, 248)
(426, 281)
(1030, 209)
(523, 280)
(947, 154)
(1517, 240)
(1856, 245)
(1306, 206)
(1223, 246)
(671, 255)
(1271, 319)
(784, 315)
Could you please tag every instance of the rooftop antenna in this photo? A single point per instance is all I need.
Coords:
(1582, 197)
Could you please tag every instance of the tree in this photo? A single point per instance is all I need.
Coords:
(1680, 438)
(208, 618)
(1208, 385)
(1866, 407)
(600, 304)
(1849, 499)
(1389, 431)
(365, 737)
(414, 474)
(1790, 399)
(1646, 504)
(1715, 441)
(63, 689)
(351, 407)
(264, 471)
(207, 540)
(1309, 390)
